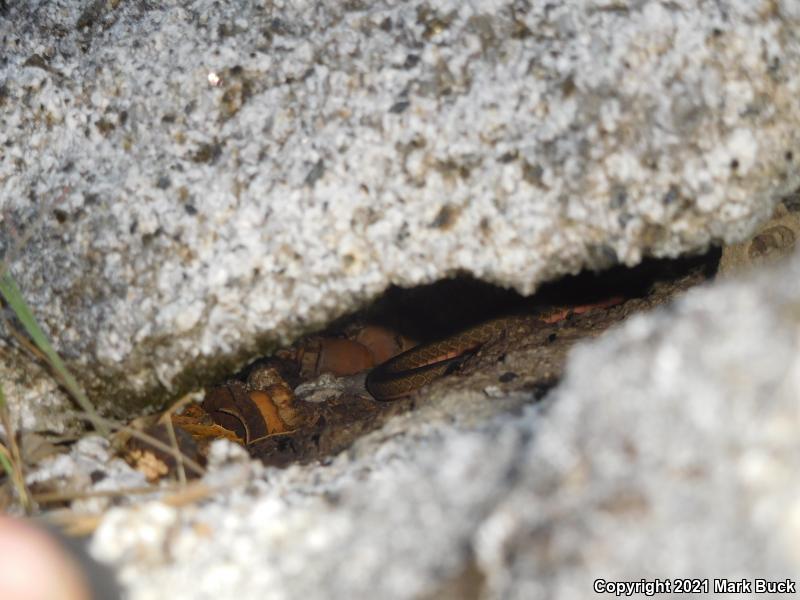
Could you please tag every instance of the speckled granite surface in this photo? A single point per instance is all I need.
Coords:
(205, 179)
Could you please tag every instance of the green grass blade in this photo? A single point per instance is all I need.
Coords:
(12, 295)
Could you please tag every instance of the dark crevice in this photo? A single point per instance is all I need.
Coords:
(525, 364)
(434, 311)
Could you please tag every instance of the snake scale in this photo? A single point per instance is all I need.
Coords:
(414, 368)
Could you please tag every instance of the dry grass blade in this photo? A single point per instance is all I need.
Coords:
(69, 495)
(10, 466)
(178, 455)
(11, 458)
(12, 295)
(149, 439)
(166, 419)
(5, 462)
(174, 495)
(78, 525)
(271, 435)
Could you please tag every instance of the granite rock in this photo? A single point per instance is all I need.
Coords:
(200, 181)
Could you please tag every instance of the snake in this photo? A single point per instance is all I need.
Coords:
(419, 366)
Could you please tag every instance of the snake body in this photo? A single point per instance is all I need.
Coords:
(414, 368)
